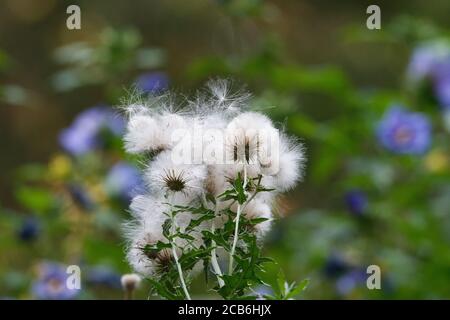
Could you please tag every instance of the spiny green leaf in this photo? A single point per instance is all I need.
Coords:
(297, 289)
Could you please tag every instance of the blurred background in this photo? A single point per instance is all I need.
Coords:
(372, 108)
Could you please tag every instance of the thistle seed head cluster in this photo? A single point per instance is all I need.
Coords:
(197, 151)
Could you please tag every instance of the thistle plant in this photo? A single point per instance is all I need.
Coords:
(213, 170)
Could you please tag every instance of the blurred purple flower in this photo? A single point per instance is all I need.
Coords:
(335, 265)
(51, 284)
(123, 180)
(441, 84)
(356, 201)
(84, 134)
(426, 58)
(404, 132)
(431, 62)
(351, 280)
(29, 230)
(103, 275)
(153, 82)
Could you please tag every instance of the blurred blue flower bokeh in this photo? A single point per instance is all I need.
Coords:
(152, 82)
(404, 132)
(356, 201)
(124, 180)
(85, 133)
(51, 283)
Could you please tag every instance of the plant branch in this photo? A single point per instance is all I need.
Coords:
(180, 272)
(236, 226)
(175, 256)
(214, 262)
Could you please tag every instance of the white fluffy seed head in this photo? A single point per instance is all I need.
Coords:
(172, 126)
(252, 140)
(212, 131)
(147, 231)
(268, 197)
(242, 136)
(182, 182)
(130, 281)
(145, 264)
(138, 259)
(143, 134)
(147, 132)
(256, 209)
(150, 212)
(216, 182)
(291, 164)
(250, 119)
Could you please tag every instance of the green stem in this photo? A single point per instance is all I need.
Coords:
(175, 256)
(236, 227)
(214, 262)
(180, 272)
